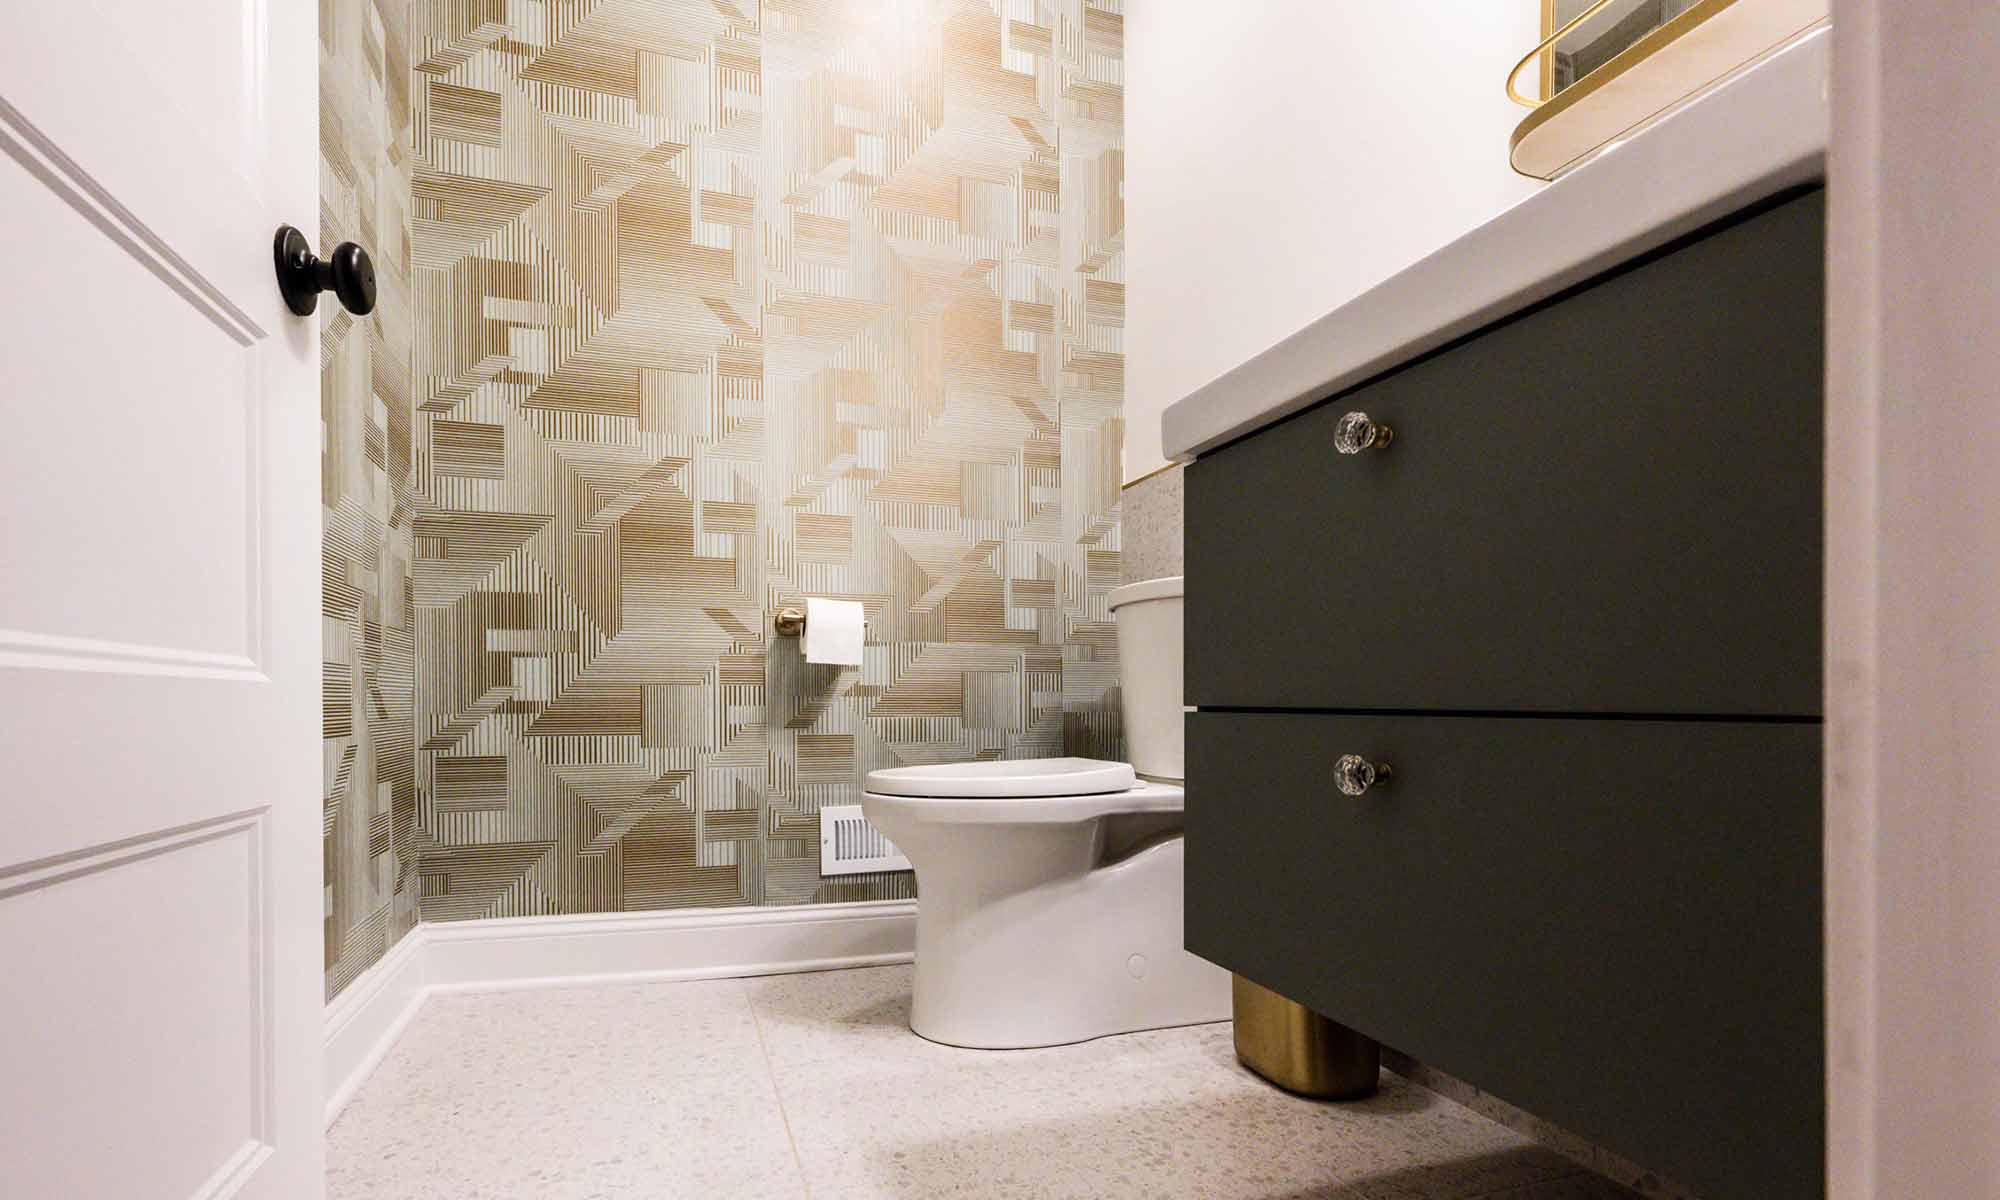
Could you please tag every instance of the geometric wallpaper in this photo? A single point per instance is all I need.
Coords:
(368, 618)
(718, 305)
(687, 311)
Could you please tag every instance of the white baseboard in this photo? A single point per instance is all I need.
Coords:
(511, 953)
(708, 943)
(369, 1015)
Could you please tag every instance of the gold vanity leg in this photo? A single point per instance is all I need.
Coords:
(1299, 1050)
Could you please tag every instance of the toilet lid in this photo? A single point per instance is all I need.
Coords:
(1005, 777)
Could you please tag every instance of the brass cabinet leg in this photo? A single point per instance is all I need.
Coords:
(1299, 1050)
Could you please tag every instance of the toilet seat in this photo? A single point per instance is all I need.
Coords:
(1004, 777)
(1020, 791)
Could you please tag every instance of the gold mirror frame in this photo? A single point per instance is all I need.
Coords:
(1662, 67)
(1546, 52)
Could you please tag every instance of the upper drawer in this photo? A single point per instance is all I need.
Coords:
(1609, 504)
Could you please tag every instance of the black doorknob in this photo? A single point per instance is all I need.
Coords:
(302, 275)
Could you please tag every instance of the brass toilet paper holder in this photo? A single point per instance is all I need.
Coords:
(791, 622)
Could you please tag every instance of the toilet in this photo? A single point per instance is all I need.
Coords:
(1049, 890)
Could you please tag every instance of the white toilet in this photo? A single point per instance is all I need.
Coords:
(1049, 890)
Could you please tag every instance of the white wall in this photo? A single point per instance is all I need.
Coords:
(1281, 158)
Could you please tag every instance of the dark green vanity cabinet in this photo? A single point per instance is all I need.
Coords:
(1575, 605)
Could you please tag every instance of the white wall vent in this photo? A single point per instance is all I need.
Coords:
(849, 845)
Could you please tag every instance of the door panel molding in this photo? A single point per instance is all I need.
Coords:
(35, 874)
(26, 882)
(67, 178)
(230, 1177)
(44, 651)
(229, 402)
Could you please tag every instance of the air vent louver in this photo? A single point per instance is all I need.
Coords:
(849, 845)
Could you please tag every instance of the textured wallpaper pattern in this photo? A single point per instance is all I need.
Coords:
(719, 305)
(367, 613)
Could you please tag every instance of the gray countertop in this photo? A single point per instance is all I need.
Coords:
(1757, 134)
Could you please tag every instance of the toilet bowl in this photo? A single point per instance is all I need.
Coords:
(1049, 890)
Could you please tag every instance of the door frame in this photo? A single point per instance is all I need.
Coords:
(1913, 603)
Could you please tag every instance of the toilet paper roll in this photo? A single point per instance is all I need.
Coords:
(835, 630)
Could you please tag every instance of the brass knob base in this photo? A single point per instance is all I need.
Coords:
(1354, 775)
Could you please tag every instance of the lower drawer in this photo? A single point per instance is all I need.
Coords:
(1614, 924)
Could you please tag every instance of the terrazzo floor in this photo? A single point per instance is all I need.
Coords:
(812, 1085)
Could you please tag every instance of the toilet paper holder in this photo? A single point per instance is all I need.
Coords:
(791, 622)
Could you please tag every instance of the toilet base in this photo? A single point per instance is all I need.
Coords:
(1066, 960)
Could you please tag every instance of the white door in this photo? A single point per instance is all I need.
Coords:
(159, 569)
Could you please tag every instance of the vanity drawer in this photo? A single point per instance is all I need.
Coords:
(1614, 924)
(1611, 504)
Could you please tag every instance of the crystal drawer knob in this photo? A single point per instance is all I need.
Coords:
(1357, 432)
(1355, 775)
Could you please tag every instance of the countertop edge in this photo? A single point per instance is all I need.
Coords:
(1757, 135)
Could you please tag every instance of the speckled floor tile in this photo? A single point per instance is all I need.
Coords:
(813, 1085)
(1410, 1142)
(861, 1018)
(861, 1013)
(653, 1091)
(1164, 1113)
(1061, 1129)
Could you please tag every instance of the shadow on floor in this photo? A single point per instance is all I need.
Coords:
(805, 1008)
(1177, 1150)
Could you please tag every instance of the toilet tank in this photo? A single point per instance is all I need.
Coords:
(1149, 665)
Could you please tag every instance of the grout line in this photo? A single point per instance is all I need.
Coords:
(1521, 1191)
(777, 1094)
